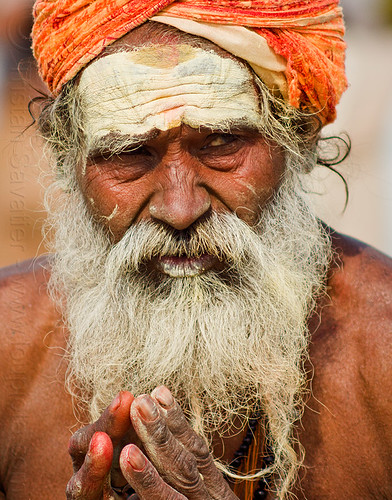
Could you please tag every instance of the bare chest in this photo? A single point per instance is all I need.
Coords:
(345, 456)
(36, 422)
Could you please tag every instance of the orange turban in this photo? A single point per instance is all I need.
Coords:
(306, 36)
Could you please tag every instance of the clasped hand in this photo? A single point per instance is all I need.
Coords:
(176, 465)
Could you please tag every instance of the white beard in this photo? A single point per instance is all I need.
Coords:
(226, 344)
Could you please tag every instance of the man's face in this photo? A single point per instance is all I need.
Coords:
(205, 278)
(180, 176)
(177, 165)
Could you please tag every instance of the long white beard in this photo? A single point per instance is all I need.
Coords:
(227, 344)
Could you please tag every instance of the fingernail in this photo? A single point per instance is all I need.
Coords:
(95, 445)
(135, 458)
(116, 402)
(163, 396)
(147, 408)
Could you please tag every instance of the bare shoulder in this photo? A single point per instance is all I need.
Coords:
(352, 343)
(29, 272)
(361, 283)
(28, 315)
(23, 293)
(360, 289)
(356, 315)
(347, 424)
(35, 409)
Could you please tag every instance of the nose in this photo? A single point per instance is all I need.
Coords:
(180, 198)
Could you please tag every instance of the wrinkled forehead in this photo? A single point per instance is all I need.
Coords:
(159, 87)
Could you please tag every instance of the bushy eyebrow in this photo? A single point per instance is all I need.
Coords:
(116, 142)
(234, 127)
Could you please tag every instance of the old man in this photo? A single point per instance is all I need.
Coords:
(196, 325)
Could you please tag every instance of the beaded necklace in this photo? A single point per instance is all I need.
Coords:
(245, 458)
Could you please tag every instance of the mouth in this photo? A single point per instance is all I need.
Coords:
(186, 267)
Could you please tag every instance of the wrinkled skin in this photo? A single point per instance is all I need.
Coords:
(346, 427)
(175, 178)
(345, 430)
(180, 467)
(178, 176)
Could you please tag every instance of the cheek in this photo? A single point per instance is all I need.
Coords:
(114, 205)
(266, 172)
(253, 185)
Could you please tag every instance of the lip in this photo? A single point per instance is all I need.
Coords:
(185, 267)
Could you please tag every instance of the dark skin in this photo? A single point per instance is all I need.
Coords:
(182, 176)
(345, 429)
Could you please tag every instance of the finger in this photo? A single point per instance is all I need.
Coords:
(114, 421)
(176, 464)
(90, 481)
(178, 425)
(144, 478)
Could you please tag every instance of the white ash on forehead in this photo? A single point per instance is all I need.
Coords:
(161, 87)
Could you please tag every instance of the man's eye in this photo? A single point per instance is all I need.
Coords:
(217, 140)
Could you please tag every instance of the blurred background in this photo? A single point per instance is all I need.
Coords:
(365, 113)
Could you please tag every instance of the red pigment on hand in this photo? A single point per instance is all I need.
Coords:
(101, 448)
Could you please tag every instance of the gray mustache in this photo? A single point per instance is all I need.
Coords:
(150, 240)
